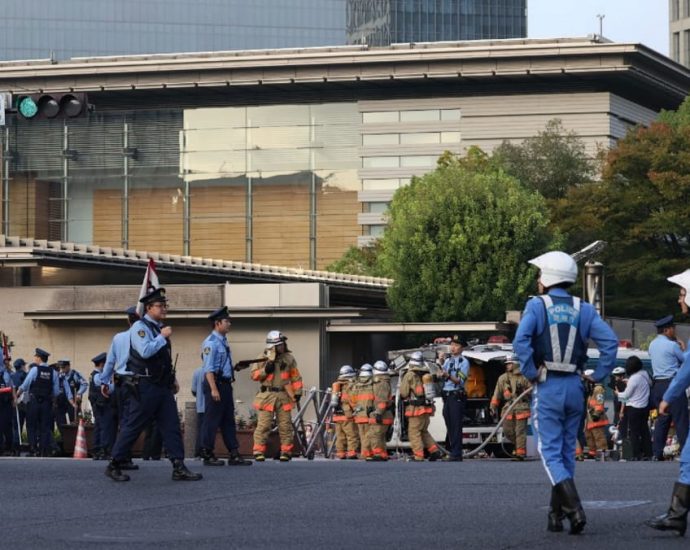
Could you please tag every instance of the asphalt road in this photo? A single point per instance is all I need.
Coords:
(63, 503)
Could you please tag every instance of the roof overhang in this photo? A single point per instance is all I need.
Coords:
(380, 327)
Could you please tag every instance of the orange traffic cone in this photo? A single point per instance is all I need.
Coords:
(80, 442)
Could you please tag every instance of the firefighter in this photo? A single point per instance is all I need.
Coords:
(419, 408)
(510, 385)
(382, 416)
(551, 345)
(281, 389)
(595, 430)
(346, 436)
(362, 399)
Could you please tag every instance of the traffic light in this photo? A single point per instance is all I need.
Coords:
(37, 106)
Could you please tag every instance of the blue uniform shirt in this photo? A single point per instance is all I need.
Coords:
(18, 377)
(98, 380)
(666, 357)
(79, 381)
(198, 389)
(7, 377)
(117, 357)
(591, 326)
(459, 367)
(33, 373)
(144, 341)
(215, 352)
(680, 382)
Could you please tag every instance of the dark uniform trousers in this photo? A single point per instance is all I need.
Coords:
(158, 403)
(219, 414)
(678, 413)
(454, 414)
(40, 423)
(104, 427)
(6, 421)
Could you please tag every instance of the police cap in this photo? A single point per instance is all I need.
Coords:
(19, 363)
(220, 314)
(43, 354)
(100, 358)
(457, 340)
(157, 295)
(131, 310)
(664, 322)
(63, 362)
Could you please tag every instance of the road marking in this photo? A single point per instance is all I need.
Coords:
(613, 504)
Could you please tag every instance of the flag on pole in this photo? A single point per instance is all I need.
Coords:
(5, 348)
(150, 283)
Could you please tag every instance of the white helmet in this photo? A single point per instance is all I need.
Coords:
(682, 280)
(589, 372)
(512, 358)
(380, 367)
(365, 370)
(274, 337)
(618, 370)
(416, 359)
(556, 267)
(346, 371)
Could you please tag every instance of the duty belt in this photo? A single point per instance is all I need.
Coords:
(223, 380)
(271, 388)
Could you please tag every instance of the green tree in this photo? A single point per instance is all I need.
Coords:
(551, 162)
(359, 261)
(457, 243)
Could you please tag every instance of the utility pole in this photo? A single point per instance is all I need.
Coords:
(601, 16)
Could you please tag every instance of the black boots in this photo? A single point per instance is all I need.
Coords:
(113, 471)
(181, 473)
(210, 459)
(555, 524)
(676, 519)
(566, 495)
(237, 460)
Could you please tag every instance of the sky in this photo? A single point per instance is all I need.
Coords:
(644, 21)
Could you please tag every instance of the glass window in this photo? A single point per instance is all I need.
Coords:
(419, 116)
(417, 161)
(420, 138)
(675, 10)
(376, 207)
(450, 137)
(381, 162)
(383, 184)
(374, 230)
(450, 114)
(380, 139)
(379, 117)
(676, 47)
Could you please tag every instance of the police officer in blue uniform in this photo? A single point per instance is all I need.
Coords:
(8, 398)
(198, 393)
(666, 357)
(103, 411)
(150, 359)
(115, 372)
(551, 343)
(43, 386)
(454, 373)
(18, 377)
(218, 395)
(78, 386)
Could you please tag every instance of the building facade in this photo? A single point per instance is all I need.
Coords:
(290, 157)
(384, 22)
(679, 35)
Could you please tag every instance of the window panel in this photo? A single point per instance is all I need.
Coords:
(419, 116)
(380, 139)
(381, 162)
(420, 138)
(380, 117)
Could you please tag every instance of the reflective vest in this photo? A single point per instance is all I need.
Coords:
(95, 396)
(559, 347)
(158, 366)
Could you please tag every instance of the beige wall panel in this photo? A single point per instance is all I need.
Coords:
(218, 223)
(107, 221)
(281, 225)
(155, 220)
(521, 127)
(336, 224)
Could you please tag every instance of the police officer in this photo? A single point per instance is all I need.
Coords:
(218, 395)
(78, 386)
(103, 411)
(198, 393)
(362, 396)
(382, 416)
(666, 357)
(280, 390)
(18, 377)
(115, 369)
(454, 372)
(510, 385)
(346, 436)
(418, 409)
(8, 398)
(595, 429)
(150, 358)
(43, 386)
(676, 518)
(551, 345)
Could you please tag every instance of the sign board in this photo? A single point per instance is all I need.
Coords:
(5, 105)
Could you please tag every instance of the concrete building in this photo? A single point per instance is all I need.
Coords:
(289, 157)
(679, 31)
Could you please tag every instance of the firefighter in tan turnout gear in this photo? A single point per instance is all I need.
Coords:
(281, 389)
(511, 384)
(595, 428)
(362, 399)
(419, 407)
(382, 416)
(346, 436)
